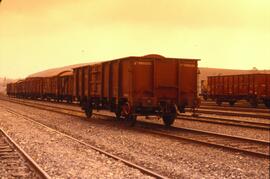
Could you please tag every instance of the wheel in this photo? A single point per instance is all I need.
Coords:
(253, 103)
(168, 119)
(88, 110)
(218, 102)
(232, 103)
(124, 113)
(267, 103)
(118, 115)
(182, 109)
(131, 120)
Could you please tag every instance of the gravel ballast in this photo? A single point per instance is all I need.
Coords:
(219, 128)
(170, 158)
(59, 156)
(223, 129)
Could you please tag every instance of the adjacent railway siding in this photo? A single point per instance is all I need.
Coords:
(249, 146)
(175, 159)
(235, 108)
(226, 121)
(239, 144)
(15, 163)
(222, 140)
(241, 122)
(255, 128)
(255, 120)
(235, 113)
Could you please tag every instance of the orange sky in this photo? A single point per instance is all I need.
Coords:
(37, 35)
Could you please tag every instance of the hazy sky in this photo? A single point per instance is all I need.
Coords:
(37, 35)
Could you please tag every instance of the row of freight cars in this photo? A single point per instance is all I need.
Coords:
(58, 87)
(130, 86)
(254, 88)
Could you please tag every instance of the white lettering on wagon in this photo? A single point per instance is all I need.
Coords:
(142, 63)
(187, 65)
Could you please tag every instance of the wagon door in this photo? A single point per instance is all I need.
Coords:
(245, 85)
(210, 85)
(226, 86)
(230, 85)
(95, 80)
(114, 80)
(187, 83)
(166, 80)
(260, 85)
(143, 81)
(86, 81)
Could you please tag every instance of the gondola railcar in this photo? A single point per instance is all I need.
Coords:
(132, 86)
(232, 88)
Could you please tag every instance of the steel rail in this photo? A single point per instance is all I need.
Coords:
(210, 144)
(101, 151)
(205, 119)
(177, 137)
(254, 153)
(234, 108)
(233, 113)
(41, 173)
(224, 121)
(231, 122)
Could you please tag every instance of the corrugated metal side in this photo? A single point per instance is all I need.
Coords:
(106, 79)
(187, 81)
(75, 83)
(239, 85)
(95, 80)
(114, 87)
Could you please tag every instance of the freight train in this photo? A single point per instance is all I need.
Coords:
(130, 86)
(253, 88)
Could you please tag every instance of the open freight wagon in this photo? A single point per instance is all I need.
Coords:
(231, 88)
(132, 86)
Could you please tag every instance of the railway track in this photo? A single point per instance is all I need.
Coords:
(234, 108)
(254, 147)
(214, 120)
(258, 148)
(101, 151)
(15, 163)
(226, 121)
(223, 111)
(248, 146)
(233, 113)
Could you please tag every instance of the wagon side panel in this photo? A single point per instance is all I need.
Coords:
(106, 80)
(142, 84)
(126, 79)
(187, 82)
(114, 87)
